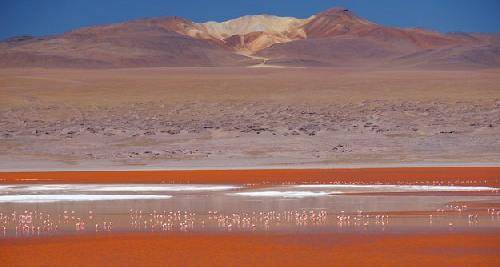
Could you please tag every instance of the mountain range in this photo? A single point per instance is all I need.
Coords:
(335, 37)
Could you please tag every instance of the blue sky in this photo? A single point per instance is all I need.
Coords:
(45, 17)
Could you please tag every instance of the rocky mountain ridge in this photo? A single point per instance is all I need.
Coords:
(336, 37)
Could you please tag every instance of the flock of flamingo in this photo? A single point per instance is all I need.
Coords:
(35, 223)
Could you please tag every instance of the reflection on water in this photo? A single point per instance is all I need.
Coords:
(27, 210)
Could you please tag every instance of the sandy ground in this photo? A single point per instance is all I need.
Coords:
(415, 175)
(255, 250)
(241, 117)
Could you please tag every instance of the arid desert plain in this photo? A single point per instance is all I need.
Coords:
(247, 117)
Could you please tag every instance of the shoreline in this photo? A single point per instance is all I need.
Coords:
(43, 165)
(468, 176)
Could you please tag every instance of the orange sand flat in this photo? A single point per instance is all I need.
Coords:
(457, 175)
(255, 250)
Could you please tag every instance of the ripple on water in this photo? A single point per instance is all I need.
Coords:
(117, 187)
(285, 194)
(75, 197)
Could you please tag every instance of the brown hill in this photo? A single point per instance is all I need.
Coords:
(141, 43)
(461, 56)
(334, 51)
(336, 37)
(339, 21)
